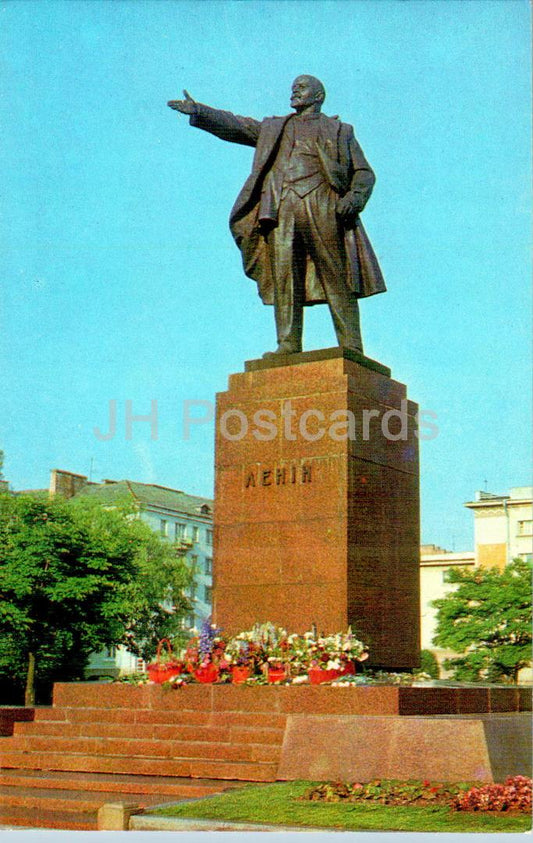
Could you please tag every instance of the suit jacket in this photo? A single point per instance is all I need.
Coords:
(346, 169)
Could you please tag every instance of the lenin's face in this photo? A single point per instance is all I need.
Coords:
(304, 93)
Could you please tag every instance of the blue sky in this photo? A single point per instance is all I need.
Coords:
(120, 280)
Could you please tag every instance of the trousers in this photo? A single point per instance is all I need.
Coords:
(308, 229)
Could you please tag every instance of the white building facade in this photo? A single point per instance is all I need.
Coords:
(176, 517)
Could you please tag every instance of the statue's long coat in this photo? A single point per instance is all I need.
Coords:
(363, 274)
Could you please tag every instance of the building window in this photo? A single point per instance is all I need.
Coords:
(163, 527)
(192, 590)
(209, 565)
(525, 528)
(196, 534)
(209, 536)
(179, 531)
(194, 562)
(208, 594)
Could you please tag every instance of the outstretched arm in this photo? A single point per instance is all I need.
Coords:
(223, 124)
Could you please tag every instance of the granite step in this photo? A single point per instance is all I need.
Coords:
(157, 731)
(61, 800)
(162, 786)
(137, 748)
(195, 767)
(162, 716)
(59, 820)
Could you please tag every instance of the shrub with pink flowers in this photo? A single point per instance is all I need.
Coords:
(513, 795)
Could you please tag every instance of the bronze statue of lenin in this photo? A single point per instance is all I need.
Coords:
(296, 220)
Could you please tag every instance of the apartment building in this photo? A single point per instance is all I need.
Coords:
(174, 515)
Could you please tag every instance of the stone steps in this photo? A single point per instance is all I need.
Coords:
(150, 732)
(49, 800)
(144, 766)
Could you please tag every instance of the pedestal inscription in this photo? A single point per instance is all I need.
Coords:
(316, 503)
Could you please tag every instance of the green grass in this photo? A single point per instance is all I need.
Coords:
(277, 804)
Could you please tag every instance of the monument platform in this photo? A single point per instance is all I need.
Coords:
(316, 502)
(269, 733)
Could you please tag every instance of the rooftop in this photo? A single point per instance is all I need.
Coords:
(148, 496)
(523, 494)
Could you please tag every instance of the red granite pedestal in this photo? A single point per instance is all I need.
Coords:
(316, 502)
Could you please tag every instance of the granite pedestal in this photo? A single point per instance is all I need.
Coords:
(316, 502)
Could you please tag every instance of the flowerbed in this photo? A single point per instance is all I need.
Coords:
(281, 804)
(514, 795)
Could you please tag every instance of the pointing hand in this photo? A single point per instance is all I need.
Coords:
(186, 106)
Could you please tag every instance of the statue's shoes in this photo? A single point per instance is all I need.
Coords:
(281, 351)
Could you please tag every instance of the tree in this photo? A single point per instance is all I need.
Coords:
(487, 620)
(76, 577)
(429, 664)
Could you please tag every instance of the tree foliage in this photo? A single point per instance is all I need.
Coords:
(429, 664)
(486, 619)
(76, 577)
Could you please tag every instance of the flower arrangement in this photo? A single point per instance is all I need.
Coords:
(267, 647)
(204, 655)
(210, 644)
(273, 642)
(337, 652)
(265, 652)
(298, 654)
(166, 665)
(239, 652)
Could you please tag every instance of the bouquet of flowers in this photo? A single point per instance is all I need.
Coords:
(243, 651)
(204, 654)
(335, 652)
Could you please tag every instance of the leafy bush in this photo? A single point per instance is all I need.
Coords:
(386, 792)
(429, 664)
(513, 795)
